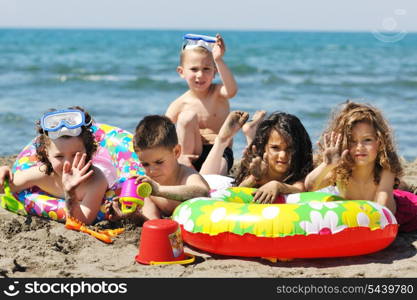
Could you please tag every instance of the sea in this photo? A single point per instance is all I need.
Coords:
(120, 76)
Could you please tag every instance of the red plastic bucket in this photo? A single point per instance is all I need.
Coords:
(161, 243)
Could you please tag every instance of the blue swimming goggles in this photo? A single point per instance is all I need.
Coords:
(65, 122)
(196, 40)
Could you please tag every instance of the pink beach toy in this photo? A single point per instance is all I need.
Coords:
(133, 194)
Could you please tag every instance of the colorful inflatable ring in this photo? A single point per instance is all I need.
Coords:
(114, 156)
(308, 225)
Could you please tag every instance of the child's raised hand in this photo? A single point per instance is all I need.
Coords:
(73, 175)
(258, 166)
(219, 47)
(5, 172)
(331, 153)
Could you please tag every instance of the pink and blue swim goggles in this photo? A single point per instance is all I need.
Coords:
(67, 122)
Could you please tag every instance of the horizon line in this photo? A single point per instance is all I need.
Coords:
(201, 29)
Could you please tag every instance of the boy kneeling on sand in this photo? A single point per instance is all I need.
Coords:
(156, 144)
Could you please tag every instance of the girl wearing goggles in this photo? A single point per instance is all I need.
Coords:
(64, 147)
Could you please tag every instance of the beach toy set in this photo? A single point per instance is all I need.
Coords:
(305, 225)
(114, 157)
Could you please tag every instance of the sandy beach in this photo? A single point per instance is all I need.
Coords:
(35, 247)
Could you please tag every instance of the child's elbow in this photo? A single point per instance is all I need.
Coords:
(232, 92)
(302, 189)
(308, 186)
(204, 192)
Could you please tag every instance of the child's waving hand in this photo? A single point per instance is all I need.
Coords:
(74, 175)
(331, 152)
(219, 48)
(258, 166)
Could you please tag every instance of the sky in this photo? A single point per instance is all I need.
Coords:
(326, 15)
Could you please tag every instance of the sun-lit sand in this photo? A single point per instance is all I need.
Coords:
(35, 247)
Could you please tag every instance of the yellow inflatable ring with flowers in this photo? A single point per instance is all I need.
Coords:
(305, 225)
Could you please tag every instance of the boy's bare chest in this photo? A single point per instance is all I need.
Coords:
(211, 114)
(212, 120)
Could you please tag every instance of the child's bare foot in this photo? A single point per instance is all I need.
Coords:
(249, 129)
(232, 124)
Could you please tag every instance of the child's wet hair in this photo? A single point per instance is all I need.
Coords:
(293, 132)
(155, 131)
(43, 141)
(343, 120)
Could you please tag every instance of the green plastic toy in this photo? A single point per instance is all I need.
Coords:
(9, 202)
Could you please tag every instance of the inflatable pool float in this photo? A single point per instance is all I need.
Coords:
(114, 156)
(218, 182)
(307, 225)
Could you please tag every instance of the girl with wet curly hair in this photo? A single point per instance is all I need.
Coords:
(65, 146)
(278, 159)
(357, 154)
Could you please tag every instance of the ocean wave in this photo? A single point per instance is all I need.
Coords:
(12, 119)
(274, 79)
(317, 115)
(31, 68)
(350, 81)
(127, 80)
(380, 83)
(154, 84)
(63, 69)
(302, 72)
(95, 78)
(80, 68)
(407, 82)
(244, 69)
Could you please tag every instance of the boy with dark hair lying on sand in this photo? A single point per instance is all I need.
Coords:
(156, 144)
